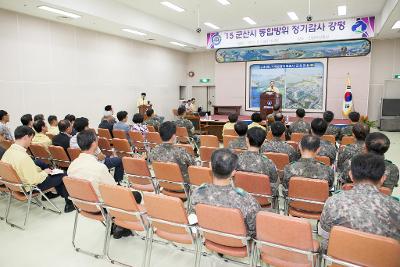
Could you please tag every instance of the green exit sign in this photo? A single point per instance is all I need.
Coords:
(397, 76)
(205, 80)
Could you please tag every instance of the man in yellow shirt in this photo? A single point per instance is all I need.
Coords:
(232, 117)
(53, 125)
(28, 171)
(40, 137)
(256, 120)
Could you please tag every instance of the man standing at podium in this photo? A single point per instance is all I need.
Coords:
(272, 87)
(142, 100)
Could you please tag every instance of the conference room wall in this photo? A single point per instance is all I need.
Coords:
(53, 68)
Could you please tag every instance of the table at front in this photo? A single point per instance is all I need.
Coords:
(213, 127)
(225, 110)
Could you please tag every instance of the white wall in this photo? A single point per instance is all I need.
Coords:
(48, 67)
(203, 65)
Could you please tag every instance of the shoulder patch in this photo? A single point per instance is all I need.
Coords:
(240, 191)
(202, 186)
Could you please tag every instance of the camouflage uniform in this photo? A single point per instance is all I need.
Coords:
(229, 197)
(255, 162)
(278, 146)
(348, 152)
(167, 152)
(362, 208)
(307, 168)
(238, 143)
(327, 149)
(300, 126)
(153, 122)
(333, 130)
(181, 122)
(347, 130)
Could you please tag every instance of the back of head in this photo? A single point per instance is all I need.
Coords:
(143, 94)
(51, 119)
(377, 143)
(270, 119)
(278, 117)
(367, 167)
(360, 131)
(354, 116)
(300, 112)
(223, 163)
(80, 124)
(85, 139)
(256, 117)
(22, 131)
(256, 136)
(276, 107)
(63, 125)
(108, 108)
(149, 112)
(233, 117)
(38, 117)
(310, 143)
(319, 126)
(2, 114)
(167, 130)
(137, 118)
(38, 125)
(241, 128)
(277, 129)
(26, 119)
(121, 115)
(181, 111)
(328, 116)
(70, 117)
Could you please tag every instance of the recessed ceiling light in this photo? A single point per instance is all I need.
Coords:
(396, 25)
(209, 24)
(249, 21)
(293, 16)
(60, 12)
(342, 10)
(178, 44)
(172, 6)
(224, 2)
(134, 32)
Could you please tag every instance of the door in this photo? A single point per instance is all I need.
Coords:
(211, 97)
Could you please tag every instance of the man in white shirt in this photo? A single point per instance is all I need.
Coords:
(142, 100)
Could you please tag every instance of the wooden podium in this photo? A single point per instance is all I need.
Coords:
(267, 102)
(143, 109)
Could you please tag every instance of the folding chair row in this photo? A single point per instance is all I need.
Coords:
(54, 155)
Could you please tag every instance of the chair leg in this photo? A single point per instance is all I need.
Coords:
(55, 210)
(150, 247)
(26, 214)
(8, 206)
(198, 251)
(5, 213)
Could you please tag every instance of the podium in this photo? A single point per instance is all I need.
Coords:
(143, 109)
(267, 102)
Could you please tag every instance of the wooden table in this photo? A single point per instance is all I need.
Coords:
(225, 110)
(213, 127)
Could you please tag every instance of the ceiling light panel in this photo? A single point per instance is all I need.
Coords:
(172, 6)
(342, 10)
(134, 32)
(224, 2)
(60, 12)
(249, 21)
(293, 15)
(212, 26)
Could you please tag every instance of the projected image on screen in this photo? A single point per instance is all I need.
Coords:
(301, 83)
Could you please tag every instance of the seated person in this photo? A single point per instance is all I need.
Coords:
(307, 166)
(182, 122)
(240, 142)
(223, 194)
(108, 111)
(328, 116)
(276, 145)
(362, 208)
(300, 126)
(62, 139)
(354, 118)
(107, 123)
(111, 162)
(167, 152)
(122, 123)
(38, 117)
(276, 109)
(270, 121)
(233, 118)
(279, 117)
(71, 119)
(53, 125)
(253, 161)
(193, 106)
(256, 120)
(152, 119)
(4, 130)
(360, 132)
(40, 137)
(318, 128)
(27, 120)
(30, 173)
(138, 125)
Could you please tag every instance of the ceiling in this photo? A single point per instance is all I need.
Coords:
(165, 25)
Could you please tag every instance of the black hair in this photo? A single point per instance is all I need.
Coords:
(121, 115)
(223, 163)
(354, 116)
(310, 143)
(241, 128)
(328, 116)
(256, 136)
(233, 117)
(26, 119)
(63, 125)
(149, 112)
(319, 126)
(277, 128)
(22, 131)
(51, 118)
(38, 125)
(300, 112)
(193, 98)
(367, 166)
(377, 143)
(70, 117)
(278, 117)
(143, 94)
(85, 139)
(276, 107)
(360, 131)
(167, 130)
(80, 124)
(256, 117)
(181, 110)
(38, 117)
(2, 114)
(108, 108)
(138, 118)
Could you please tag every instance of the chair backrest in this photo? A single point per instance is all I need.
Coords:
(153, 138)
(230, 132)
(330, 138)
(254, 183)
(324, 159)
(206, 152)
(6, 144)
(83, 190)
(182, 135)
(226, 139)
(296, 137)
(137, 139)
(209, 141)
(168, 171)
(40, 152)
(137, 170)
(121, 134)
(308, 189)
(347, 140)
(200, 175)
(73, 153)
(224, 220)
(60, 157)
(8, 174)
(122, 147)
(363, 249)
(151, 128)
(104, 133)
(279, 159)
(384, 190)
(188, 147)
(105, 146)
(270, 136)
(294, 144)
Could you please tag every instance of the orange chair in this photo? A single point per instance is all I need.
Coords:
(105, 133)
(188, 147)
(330, 138)
(122, 148)
(182, 135)
(87, 204)
(231, 132)
(226, 139)
(294, 144)
(59, 156)
(151, 128)
(6, 144)
(73, 153)
(270, 136)
(169, 177)
(284, 241)
(306, 197)
(21, 192)
(138, 173)
(209, 141)
(279, 159)
(40, 152)
(200, 175)
(121, 134)
(296, 137)
(205, 155)
(348, 247)
(384, 190)
(153, 138)
(347, 140)
(123, 211)
(105, 146)
(3, 189)
(324, 159)
(169, 221)
(223, 230)
(138, 141)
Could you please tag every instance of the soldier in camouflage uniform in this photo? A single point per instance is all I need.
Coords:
(363, 208)
(167, 152)
(221, 193)
(240, 142)
(253, 161)
(318, 128)
(182, 122)
(307, 166)
(348, 130)
(152, 119)
(332, 129)
(277, 145)
(299, 126)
